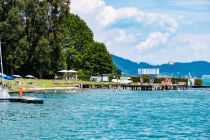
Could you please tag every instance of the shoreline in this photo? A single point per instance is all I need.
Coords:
(47, 89)
(140, 87)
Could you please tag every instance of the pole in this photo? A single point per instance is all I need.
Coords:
(2, 71)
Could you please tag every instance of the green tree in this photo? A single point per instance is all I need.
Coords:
(12, 32)
(42, 55)
(43, 37)
(79, 34)
(97, 59)
(57, 32)
(117, 72)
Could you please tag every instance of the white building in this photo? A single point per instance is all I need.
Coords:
(102, 78)
(105, 77)
(123, 80)
(96, 78)
(149, 71)
(191, 82)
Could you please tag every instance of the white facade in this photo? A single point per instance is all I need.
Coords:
(149, 71)
(191, 82)
(102, 78)
(96, 78)
(105, 77)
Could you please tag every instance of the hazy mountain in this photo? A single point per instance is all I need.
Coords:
(197, 68)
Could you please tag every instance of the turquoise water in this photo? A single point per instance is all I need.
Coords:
(206, 82)
(104, 114)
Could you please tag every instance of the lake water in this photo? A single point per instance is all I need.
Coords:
(206, 82)
(104, 114)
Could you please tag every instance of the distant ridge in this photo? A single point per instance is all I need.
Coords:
(197, 68)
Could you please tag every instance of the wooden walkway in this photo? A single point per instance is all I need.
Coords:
(142, 87)
(200, 86)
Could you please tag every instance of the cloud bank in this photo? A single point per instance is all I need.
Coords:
(130, 32)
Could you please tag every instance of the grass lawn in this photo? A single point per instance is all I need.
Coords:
(43, 83)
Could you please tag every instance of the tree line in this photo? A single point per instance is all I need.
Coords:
(43, 37)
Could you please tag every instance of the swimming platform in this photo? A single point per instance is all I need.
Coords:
(23, 99)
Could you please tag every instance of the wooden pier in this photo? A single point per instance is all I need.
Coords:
(23, 99)
(142, 87)
(200, 86)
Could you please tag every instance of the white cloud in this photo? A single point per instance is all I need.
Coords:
(182, 48)
(154, 40)
(124, 37)
(86, 7)
(153, 31)
(198, 43)
(105, 15)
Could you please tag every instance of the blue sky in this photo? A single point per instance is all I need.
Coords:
(153, 31)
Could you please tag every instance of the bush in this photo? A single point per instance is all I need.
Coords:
(176, 80)
(137, 79)
(83, 75)
(198, 82)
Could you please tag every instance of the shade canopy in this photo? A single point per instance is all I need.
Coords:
(62, 71)
(68, 71)
(17, 76)
(6, 77)
(30, 76)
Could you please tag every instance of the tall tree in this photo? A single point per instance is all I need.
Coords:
(42, 55)
(12, 32)
(97, 59)
(43, 37)
(57, 32)
(78, 36)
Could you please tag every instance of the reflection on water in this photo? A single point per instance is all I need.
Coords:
(104, 114)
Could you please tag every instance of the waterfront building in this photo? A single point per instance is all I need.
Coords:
(102, 78)
(152, 72)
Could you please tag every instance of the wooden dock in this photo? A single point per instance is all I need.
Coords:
(23, 99)
(141, 87)
(200, 86)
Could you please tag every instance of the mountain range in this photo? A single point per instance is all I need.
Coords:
(196, 68)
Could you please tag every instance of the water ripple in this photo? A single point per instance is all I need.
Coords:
(104, 114)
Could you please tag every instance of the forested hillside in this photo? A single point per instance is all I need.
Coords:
(197, 69)
(43, 37)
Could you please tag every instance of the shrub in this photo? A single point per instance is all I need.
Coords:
(198, 82)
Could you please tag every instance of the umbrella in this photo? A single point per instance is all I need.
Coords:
(71, 71)
(63, 71)
(17, 76)
(30, 76)
(68, 71)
